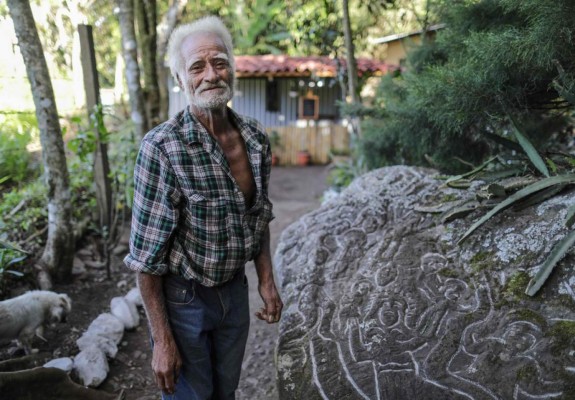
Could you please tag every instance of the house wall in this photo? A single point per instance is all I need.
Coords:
(250, 100)
(395, 52)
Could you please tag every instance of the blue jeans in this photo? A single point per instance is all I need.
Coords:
(210, 326)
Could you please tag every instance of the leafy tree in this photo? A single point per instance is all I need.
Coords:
(59, 250)
(496, 60)
(256, 27)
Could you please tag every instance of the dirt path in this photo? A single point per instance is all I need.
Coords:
(294, 192)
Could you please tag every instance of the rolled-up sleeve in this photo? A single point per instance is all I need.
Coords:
(154, 212)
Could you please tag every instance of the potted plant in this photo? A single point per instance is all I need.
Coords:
(303, 158)
(275, 144)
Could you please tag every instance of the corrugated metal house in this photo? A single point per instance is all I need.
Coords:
(295, 98)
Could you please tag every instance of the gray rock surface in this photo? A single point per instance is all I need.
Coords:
(381, 303)
(104, 343)
(91, 366)
(107, 325)
(125, 311)
(134, 296)
(64, 363)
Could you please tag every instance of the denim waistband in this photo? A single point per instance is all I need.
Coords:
(169, 277)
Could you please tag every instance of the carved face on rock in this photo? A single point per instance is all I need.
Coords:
(519, 337)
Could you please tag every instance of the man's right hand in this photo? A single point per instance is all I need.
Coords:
(166, 364)
(166, 359)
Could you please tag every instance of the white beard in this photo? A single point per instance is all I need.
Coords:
(209, 100)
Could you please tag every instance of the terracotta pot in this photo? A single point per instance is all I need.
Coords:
(275, 159)
(303, 158)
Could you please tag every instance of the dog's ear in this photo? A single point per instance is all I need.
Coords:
(65, 302)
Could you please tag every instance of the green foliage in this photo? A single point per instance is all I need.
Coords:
(10, 257)
(86, 139)
(495, 58)
(558, 252)
(256, 30)
(520, 195)
(532, 190)
(122, 151)
(23, 212)
(343, 173)
(17, 130)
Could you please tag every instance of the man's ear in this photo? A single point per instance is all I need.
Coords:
(179, 81)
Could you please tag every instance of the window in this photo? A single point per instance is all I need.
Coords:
(308, 106)
(272, 96)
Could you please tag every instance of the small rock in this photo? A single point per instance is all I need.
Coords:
(64, 363)
(134, 296)
(78, 267)
(120, 250)
(106, 344)
(122, 284)
(95, 264)
(108, 325)
(85, 252)
(91, 366)
(125, 311)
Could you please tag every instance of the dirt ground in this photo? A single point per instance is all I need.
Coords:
(293, 191)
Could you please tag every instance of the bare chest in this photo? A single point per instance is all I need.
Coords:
(236, 154)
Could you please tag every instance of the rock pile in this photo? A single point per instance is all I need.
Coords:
(100, 341)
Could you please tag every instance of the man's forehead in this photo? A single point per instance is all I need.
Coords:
(199, 45)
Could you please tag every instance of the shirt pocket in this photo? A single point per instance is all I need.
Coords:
(208, 220)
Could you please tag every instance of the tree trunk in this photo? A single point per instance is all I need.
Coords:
(130, 52)
(350, 50)
(146, 16)
(165, 28)
(351, 68)
(56, 261)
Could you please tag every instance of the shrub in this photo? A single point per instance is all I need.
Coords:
(496, 60)
(17, 131)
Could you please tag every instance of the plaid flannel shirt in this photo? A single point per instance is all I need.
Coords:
(189, 216)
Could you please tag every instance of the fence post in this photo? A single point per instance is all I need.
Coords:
(101, 164)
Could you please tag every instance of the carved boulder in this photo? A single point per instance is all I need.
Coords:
(381, 302)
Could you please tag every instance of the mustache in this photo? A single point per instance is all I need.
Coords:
(208, 86)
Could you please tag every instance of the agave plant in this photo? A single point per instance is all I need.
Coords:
(10, 255)
(533, 191)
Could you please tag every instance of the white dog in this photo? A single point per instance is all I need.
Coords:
(23, 316)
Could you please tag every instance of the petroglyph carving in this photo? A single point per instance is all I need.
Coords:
(382, 305)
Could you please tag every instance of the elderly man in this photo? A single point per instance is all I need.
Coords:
(201, 212)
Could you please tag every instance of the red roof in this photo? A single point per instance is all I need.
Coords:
(322, 66)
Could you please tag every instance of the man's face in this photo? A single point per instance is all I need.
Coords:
(207, 78)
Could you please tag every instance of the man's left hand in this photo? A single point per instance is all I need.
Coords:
(272, 310)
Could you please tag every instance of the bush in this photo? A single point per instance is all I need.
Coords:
(496, 60)
(23, 211)
(17, 131)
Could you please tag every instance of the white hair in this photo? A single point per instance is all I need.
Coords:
(210, 24)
